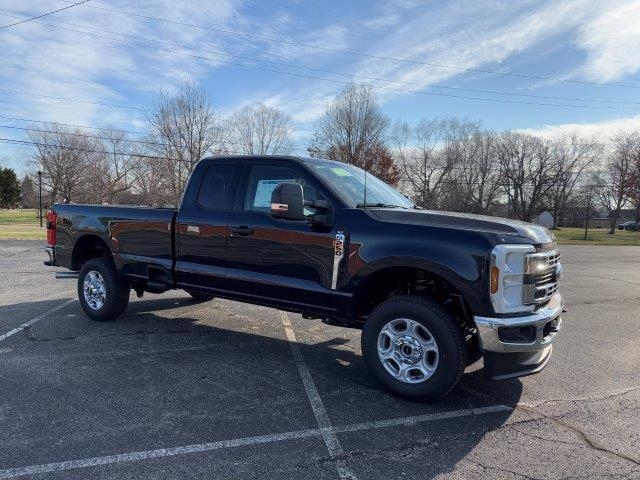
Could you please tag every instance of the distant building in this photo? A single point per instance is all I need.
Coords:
(545, 219)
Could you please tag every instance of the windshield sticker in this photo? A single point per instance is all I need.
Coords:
(341, 172)
(265, 189)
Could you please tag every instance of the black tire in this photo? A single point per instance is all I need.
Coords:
(199, 296)
(444, 329)
(116, 296)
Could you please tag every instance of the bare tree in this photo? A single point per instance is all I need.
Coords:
(110, 171)
(352, 130)
(585, 205)
(477, 176)
(573, 156)
(149, 181)
(633, 190)
(615, 179)
(63, 155)
(529, 170)
(185, 128)
(428, 154)
(260, 130)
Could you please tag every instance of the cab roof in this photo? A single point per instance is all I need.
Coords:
(266, 158)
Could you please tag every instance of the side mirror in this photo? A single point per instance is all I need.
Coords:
(287, 201)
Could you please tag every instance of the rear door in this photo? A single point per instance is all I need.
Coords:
(279, 262)
(201, 226)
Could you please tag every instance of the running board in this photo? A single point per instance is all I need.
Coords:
(66, 275)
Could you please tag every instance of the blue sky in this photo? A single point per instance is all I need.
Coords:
(568, 41)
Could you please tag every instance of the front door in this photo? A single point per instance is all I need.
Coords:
(279, 262)
(202, 228)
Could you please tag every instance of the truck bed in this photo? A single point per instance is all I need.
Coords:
(138, 237)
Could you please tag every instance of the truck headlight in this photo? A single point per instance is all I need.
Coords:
(506, 277)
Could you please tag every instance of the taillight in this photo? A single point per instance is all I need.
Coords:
(52, 218)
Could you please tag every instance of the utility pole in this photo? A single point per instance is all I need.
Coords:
(40, 196)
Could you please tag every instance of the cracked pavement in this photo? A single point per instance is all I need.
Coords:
(175, 373)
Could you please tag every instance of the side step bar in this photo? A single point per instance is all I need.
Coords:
(66, 275)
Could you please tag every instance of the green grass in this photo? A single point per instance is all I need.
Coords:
(22, 232)
(19, 216)
(596, 236)
(20, 225)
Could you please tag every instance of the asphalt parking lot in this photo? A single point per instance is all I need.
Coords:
(179, 389)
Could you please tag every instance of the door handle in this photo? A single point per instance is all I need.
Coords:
(242, 230)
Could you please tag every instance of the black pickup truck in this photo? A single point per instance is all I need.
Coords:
(432, 291)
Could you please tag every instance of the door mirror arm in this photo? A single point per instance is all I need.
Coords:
(318, 204)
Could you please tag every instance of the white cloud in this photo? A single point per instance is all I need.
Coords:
(58, 62)
(603, 130)
(46, 60)
(612, 41)
(382, 21)
(458, 33)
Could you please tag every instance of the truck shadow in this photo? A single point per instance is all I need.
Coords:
(342, 360)
(351, 396)
(348, 393)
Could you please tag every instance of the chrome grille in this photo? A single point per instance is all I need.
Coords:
(541, 278)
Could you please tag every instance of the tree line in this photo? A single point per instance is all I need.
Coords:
(446, 164)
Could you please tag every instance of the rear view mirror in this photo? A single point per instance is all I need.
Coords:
(287, 201)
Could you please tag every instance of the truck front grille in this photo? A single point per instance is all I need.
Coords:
(541, 280)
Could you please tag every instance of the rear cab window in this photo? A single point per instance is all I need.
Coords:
(218, 187)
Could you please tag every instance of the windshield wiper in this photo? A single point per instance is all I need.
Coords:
(377, 205)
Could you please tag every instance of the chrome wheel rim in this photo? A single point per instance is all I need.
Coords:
(408, 351)
(94, 290)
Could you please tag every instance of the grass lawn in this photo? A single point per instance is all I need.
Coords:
(20, 225)
(596, 236)
(19, 216)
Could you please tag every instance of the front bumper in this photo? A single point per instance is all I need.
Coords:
(518, 346)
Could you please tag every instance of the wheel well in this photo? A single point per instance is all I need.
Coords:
(86, 248)
(389, 282)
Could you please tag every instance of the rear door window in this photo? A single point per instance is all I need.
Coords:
(218, 186)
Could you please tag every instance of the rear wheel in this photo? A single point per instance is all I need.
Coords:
(103, 296)
(199, 296)
(413, 347)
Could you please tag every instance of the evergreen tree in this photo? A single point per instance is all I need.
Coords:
(28, 193)
(9, 188)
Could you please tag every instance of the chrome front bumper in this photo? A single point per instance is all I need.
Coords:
(505, 359)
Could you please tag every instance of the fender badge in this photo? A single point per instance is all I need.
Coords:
(338, 244)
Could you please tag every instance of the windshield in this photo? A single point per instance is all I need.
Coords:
(349, 181)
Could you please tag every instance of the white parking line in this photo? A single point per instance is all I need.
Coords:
(278, 437)
(428, 417)
(35, 320)
(328, 435)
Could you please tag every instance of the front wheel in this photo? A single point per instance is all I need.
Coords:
(103, 296)
(413, 347)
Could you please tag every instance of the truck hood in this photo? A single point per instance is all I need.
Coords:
(504, 226)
